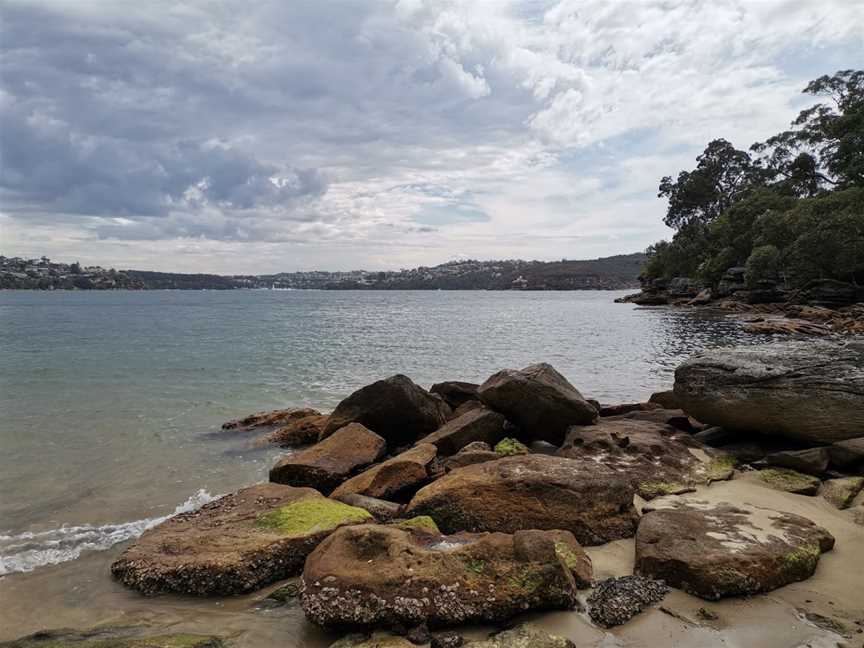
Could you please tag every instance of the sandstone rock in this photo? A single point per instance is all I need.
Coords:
(455, 393)
(381, 510)
(270, 419)
(717, 436)
(394, 408)
(617, 600)
(235, 544)
(387, 576)
(466, 407)
(665, 399)
(469, 457)
(713, 551)
(479, 424)
(301, 431)
(376, 640)
(813, 461)
(848, 454)
(841, 492)
(790, 481)
(393, 478)
(574, 556)
(656, 459)
(114, 637)
(531, 492)
(523, 636)
(703, 298)
(625, 408)
(330, 462)
(538, 400)
(809, 391)
(675, 417)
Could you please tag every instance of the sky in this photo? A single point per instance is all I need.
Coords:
(255, 137)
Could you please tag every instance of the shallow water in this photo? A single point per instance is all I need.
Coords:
(111, 402)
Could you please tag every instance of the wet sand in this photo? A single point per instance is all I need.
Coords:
(81, 594)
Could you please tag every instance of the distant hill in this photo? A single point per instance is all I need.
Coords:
(609, 273)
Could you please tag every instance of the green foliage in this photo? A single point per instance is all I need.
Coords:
(763, 264)
(794, 213)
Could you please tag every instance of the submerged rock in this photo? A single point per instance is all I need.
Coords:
(271, 418)
(531, 492)
(235, 544)
(523, 636)
(617, 600)
(301, 431)
(538, 400)
(809, 391)
(114, 637)
(388, 480)
(388, 576)
(330, 462)
(714, 551)
(394, 408)
(478, 424)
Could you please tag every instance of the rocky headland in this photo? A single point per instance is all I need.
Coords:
(822, 307)
(408, 516)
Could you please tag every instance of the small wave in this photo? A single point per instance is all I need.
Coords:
(25, 552)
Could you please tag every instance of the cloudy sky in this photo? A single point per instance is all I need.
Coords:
(263, 136)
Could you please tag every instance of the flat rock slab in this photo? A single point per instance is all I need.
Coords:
(480, 424)
(371, 575)
(523, 636)
(330, 462)
(811, 391)
(658, 459)
(298, 432)
(714, 551)
(531, 492)
(538, 400)
(392, 478)
(396, 408)
(235, 544)
(111, 637)
(272, 418)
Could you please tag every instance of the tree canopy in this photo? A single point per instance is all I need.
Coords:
(790, 208)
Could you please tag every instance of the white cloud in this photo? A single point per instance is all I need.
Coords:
(236, 137)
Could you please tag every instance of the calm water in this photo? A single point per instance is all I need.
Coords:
(111, 402)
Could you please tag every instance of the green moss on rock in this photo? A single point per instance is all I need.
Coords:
(509, 447)
(650, 489)
(720, 468)
(803, 560)
(417, 522)
(789, 480)
(311, 515)
(98, 639)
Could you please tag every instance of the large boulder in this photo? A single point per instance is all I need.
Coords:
(657, 459)
(235, 544)
(848, 454)
(812, 461)
(389, 576)
(393, 478)
(395, 408)
(713, 551)
(330, 462)
(531, 492)
(539, 400)
(455, 393)
(811, 391)
(479, 424)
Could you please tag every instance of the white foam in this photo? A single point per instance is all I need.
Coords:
(27, 551)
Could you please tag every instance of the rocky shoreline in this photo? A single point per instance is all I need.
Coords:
(823, 307)
(406, 514)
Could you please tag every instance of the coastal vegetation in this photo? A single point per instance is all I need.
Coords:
(609, 273)
(790, 210)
